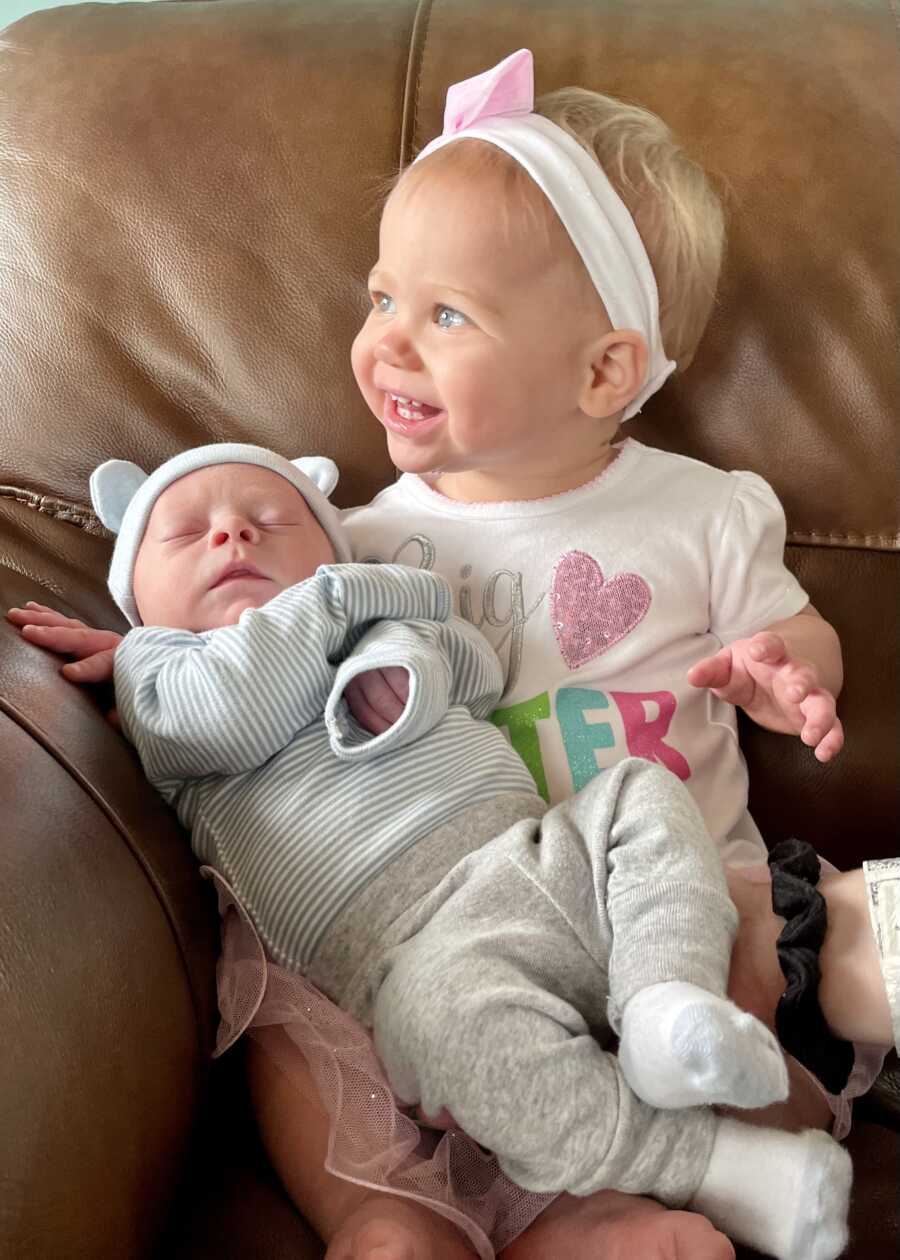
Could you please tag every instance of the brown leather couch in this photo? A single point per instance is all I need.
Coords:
(188, 208)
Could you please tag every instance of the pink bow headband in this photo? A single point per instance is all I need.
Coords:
(498, 106)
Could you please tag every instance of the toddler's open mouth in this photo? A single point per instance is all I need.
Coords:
(411, 408)
(403, 415)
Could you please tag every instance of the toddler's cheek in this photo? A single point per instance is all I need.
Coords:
(362, 360)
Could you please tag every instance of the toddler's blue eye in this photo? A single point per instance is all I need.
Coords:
(447, 317)
(384, 303)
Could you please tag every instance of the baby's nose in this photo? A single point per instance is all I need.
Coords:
(234, 531)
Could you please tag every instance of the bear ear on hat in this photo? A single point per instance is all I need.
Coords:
(113, 486)
(322, 472)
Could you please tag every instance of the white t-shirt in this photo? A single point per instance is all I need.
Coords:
(598, 601)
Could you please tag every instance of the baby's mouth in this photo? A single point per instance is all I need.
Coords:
(239, 573)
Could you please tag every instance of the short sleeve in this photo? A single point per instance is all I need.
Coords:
(751, 587)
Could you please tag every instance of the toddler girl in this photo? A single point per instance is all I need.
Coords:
(540, 276)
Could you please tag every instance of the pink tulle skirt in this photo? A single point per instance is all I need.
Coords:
(372, 1141)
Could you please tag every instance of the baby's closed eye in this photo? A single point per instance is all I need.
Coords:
(179, 533)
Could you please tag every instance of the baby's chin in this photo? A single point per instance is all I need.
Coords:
(229, 614)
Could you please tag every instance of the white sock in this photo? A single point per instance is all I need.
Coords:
(785, 1194)
(682, 1046)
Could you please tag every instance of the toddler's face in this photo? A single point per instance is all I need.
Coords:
(223, 539)
(480, 334)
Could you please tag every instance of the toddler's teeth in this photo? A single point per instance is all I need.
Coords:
(409, 408)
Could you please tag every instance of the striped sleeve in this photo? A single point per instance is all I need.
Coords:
(415, 646)
(449, 663)
(475, 668)
(225, 701)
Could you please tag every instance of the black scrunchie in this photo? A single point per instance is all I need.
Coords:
(799, 1021)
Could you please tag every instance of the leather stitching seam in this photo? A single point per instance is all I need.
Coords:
(61, 509)
(82, 517)
(423, 19)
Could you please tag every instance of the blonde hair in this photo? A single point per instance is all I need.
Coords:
(671, 199)
(674, 206)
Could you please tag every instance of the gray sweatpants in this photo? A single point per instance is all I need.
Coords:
(492, 996)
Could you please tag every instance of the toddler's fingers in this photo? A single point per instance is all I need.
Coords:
(712, 671)
(831, 745)
(767, 647)
(819, 713)
(739, 690)
(797, 681)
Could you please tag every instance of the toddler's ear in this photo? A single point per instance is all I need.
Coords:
(616, 374)
(113, 486)
(322, 472)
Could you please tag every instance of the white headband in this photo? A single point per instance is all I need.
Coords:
(497, 106)
(123, 496)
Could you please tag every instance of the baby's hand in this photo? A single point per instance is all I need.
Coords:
(93, 649)
(378, 697)
(776, 690)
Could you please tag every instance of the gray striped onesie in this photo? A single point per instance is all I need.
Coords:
(297, 810)
(418, 879)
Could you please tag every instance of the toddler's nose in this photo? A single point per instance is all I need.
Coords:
(396, 349)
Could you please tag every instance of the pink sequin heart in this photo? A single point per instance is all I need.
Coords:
(589, 615)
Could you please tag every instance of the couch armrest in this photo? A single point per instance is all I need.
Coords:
(108, 970)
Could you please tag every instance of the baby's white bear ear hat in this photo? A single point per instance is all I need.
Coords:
(123, 496)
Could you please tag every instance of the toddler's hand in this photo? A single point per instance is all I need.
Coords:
(378, 697)
(776, 690)
(93, 649)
